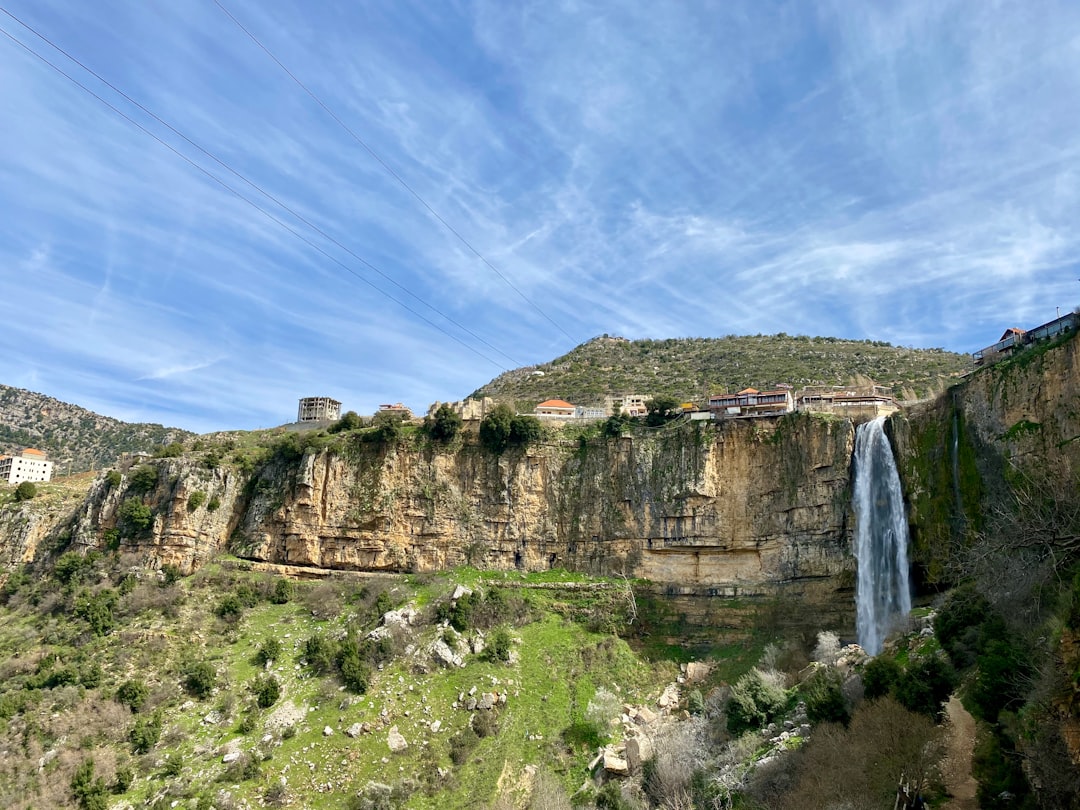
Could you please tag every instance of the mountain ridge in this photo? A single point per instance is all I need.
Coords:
(73, 436)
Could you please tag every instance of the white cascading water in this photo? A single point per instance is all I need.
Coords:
(882, 594)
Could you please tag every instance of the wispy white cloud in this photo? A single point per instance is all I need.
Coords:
(900, 172)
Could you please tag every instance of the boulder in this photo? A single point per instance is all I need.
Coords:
(614, 764)
(396, 741)
(355, 730)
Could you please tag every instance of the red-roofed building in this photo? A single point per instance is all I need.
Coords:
(554, 409)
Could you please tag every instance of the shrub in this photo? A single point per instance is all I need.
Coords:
(144, 479)
(462, 744)
(879, 676)
(824, 696)
(229, 608)
(525, 430)
(444, 424)
(25, 491)
(90, 793)
(583, 734)
(173, 450)
(499, 645)
(133, 694)
(756, 698)
(213, 504)
(283, 591)
(269, 651)
(355, 673)
(69, 568)
(267, 690)
(133, 517)
(113, 478)
(125, 777)
(926, 685)
(195, 500)
(199, 678)
(350, 421)
(146, 732)
(97, 610)
(319, 654)
(495, 429)
(174, 764)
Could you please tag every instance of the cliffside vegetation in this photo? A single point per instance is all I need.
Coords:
(692, 368)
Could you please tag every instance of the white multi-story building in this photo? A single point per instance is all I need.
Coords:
(30, 465)
(318, 409)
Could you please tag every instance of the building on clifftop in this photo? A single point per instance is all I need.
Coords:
(318, 409)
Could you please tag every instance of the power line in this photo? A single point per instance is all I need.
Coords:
(391, 171)
(255, 186)
(236, 193)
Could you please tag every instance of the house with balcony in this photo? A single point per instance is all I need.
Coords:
(751, 402)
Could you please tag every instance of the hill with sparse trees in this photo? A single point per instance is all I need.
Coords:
(694, 368)
(75, 438)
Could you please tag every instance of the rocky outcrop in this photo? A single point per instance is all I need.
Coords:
(739, 508)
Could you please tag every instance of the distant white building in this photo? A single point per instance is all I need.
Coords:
(628, 405)
(30, 465)
(318, 409)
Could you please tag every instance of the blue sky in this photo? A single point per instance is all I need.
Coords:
(894, 171)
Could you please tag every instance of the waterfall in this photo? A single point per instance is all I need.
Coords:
(882, 593)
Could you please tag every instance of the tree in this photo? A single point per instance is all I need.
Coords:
(199, 678)
(25, 491)
(133, 518)
(660, 410)
(495, 429)
(89, 793)
(350, 421)
(444, 424)
(267, 690)
(144, 479)
(133, 694)
(525, 430)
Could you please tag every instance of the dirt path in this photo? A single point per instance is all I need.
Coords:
(957, 767)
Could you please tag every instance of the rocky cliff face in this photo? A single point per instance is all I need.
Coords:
(960, 454)
(742, 508)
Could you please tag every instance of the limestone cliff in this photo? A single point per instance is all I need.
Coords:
(737, 508)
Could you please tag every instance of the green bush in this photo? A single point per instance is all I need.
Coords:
(173, 450)
(70, 567)
(144, 479)
(229, 608)
(879, 676)
(267, 690)
(462, 745)
(195, 500)
(125, 777)
(199, 677)
(444, 424)
(499, 645)
(583, 734)
(97, 610)
(319, 654)
(25, 491)
(350, 421)
(133, 518)
(113, 478)
(283, 591)
(133, 694)
(756, 699)
(269, 651)
(174, 764)
(824, 696)
(925, 685)
(213, 504)
(355, 673)
(90, 793)
(146, 732)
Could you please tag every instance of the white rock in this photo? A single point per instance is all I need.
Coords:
(327, 731)
(232, 756)
(395, 740)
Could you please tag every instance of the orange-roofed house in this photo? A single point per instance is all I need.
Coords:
(29, 465)
(554, 409)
